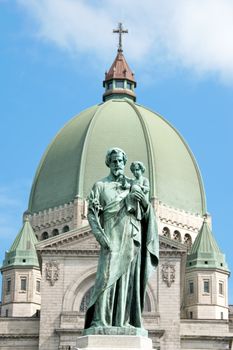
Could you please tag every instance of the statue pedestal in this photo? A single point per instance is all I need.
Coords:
(114, 342)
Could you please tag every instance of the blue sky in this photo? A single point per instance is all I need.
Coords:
(53, 58)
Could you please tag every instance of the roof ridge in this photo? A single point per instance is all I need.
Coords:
(205, 241)
(120, 69)
(25, 234)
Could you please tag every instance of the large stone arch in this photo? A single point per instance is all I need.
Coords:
(151, 299)
(76, 290)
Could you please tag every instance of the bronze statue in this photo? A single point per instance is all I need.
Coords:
(123, 222)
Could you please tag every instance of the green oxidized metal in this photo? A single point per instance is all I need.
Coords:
(205, 253)
(129, 250)
(74, 159)
(22, 252)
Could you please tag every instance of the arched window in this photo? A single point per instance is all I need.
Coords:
(166, 232)
(45, 235)
(87, 296)
(177, 236)
(65, 228)
(188, 240)
(85, 300)
(55, 232)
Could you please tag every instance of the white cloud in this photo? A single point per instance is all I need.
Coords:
(196, 34)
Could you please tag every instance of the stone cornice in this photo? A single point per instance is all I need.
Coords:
(69, 330)
(223, 336)
(208, 305)
(71, 252)
(169, 247)
(167, 243)
(192, 269)
(19, 267)
(202, 321)
(17, 336)
(62, 244)
(64, 238)
(19, 318)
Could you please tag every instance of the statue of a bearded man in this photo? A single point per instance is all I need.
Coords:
(128, 254)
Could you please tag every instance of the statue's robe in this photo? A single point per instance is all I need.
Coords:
(128, 255)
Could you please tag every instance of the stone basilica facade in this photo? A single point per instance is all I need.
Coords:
(49, 271)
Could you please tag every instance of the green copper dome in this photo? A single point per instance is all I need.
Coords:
(75, 159)
(22, 252)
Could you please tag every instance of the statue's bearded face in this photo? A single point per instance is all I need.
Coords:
(117, 164)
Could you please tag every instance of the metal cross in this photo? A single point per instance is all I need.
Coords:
(120, 31)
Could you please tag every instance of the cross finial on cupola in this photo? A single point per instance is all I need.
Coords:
(119, 80)
(120, 31)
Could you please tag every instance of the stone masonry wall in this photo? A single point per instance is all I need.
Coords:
(19, 333)
(51, 295)
(169, 301)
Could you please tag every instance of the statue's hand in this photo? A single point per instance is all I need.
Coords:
(140, 197)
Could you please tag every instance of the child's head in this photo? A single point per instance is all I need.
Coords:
(137, 168)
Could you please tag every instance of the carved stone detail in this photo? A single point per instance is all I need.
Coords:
(179, 218)
(53, 218)
(168, 273)
(52, 272)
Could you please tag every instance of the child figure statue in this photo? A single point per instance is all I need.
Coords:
(140, 183)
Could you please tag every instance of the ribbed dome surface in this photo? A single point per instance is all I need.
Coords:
(76, 157)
